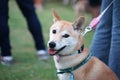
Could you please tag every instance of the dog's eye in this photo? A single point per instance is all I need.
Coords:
(53, 31)
(65, 35)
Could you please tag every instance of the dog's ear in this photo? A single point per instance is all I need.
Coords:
(77, 25)
(55, 16)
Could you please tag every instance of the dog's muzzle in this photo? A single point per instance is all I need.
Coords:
(52, 51)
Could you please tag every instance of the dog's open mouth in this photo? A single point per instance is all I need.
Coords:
(54, 51)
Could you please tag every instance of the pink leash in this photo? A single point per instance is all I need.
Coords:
(95, 21)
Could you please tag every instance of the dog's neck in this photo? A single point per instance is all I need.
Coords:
(70, 60)
(71, 69)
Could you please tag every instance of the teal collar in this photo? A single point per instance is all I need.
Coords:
(71, 69)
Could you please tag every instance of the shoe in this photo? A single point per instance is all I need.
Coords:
(6, 60)
(42, 54)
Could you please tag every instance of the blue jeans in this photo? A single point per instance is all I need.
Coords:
(106, 41)
(34, 26)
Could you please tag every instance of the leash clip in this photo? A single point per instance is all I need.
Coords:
(96, 20)
(87, 29)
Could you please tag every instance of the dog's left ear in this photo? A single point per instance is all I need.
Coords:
(56, 17)
(77, 25)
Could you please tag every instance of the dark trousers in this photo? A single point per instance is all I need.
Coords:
(106, 41)
(27, 8)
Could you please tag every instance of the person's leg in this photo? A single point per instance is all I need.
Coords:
(27, 8)
(100, 46)
(4, 31)
(114, 56)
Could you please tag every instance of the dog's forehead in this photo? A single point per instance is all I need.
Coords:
(62, 26)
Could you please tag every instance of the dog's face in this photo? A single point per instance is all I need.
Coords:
(65, 37)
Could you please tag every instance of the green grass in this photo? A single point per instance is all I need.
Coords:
(26, 65)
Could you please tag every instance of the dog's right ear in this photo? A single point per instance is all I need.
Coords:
(77, 25)
(55, 16)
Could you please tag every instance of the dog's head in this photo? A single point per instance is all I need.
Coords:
(65, 37)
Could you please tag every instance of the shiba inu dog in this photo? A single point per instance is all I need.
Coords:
(72, 63)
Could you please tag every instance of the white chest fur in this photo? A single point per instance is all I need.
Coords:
(65, 76)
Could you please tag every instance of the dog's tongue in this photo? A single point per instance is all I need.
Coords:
(51, 51)
(57, 57)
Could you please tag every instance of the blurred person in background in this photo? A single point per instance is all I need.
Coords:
(34, 26)
(91, 6)
(38, 4)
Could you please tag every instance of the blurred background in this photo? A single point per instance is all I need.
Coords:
(26, 66)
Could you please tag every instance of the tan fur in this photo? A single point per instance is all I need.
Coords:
(94, 69)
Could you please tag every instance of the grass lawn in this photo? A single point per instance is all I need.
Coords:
(26, 65)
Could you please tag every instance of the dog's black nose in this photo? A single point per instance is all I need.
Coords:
(52, 44)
